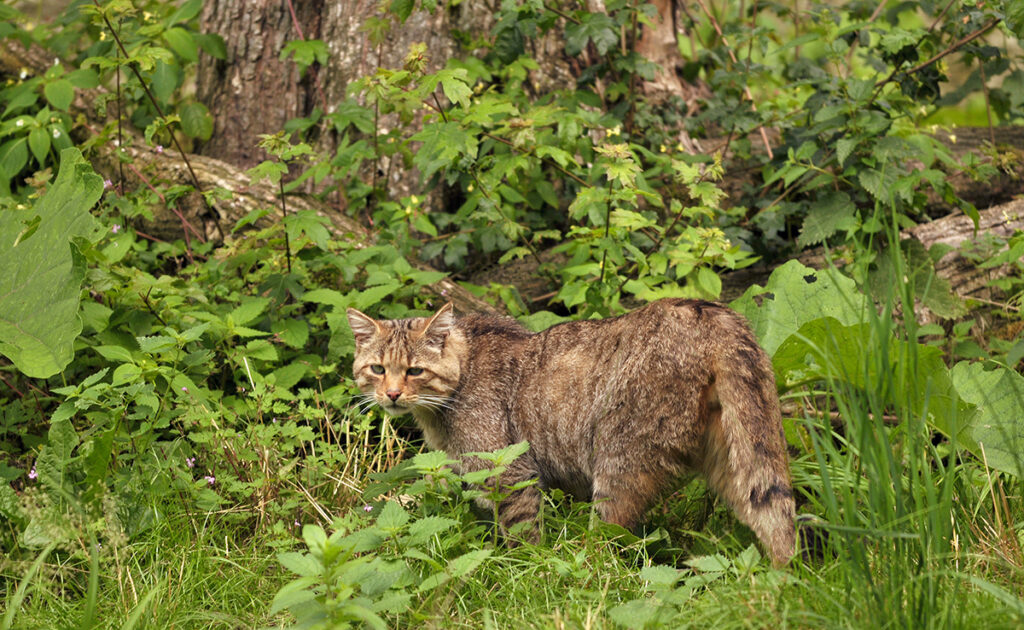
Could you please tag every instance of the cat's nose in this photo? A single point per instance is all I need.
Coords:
(393, 394)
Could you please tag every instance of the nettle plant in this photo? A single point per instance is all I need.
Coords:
(524, 173)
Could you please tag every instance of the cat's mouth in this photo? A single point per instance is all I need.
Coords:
(394, 408)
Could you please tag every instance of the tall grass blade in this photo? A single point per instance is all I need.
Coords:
(19, 594)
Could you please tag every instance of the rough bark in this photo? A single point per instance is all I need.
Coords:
(253, 91)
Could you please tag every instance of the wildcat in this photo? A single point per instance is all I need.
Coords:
(614, 410)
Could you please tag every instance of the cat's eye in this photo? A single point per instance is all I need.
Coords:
(377, 369)
(414, 371)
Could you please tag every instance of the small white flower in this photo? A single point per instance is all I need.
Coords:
(56, 133)
(20, 123)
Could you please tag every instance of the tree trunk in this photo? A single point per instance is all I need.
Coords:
(253, 91)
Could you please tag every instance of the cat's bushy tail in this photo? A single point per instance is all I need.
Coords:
(746, 460)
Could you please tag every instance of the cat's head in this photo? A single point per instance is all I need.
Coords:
(406, 363)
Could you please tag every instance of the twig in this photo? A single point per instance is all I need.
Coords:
(746, 88)
(284, 215)
(316, 77)
(12, 387)
(159, 111)
(921, 66)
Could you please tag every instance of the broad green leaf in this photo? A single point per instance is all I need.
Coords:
(165, 80)
(40, 285)
(196, 121)
(59, 93)
(795, 295)
(13, 157)
(182, 42)
(998, 428)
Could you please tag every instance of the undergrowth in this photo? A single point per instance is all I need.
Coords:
(182, 443)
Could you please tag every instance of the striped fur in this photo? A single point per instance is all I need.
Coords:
(614, 410)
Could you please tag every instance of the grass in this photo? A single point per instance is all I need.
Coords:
(912, 532)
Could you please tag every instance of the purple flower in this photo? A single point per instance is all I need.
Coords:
(367, 508)
(184, 389)
(444, 291)
(115, 228)
(159, 148)
(107, 184)
(190, 462)
(32, 474)
(210, 479)
(297, 523)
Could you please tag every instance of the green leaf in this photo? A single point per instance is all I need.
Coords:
(443, 144)
(998, 428)
(59, 93)
(834, 211)
(165, 80)
(795, 295)
(596, 27)
(424, 529)
(54, 459)
(249, 310)
(39, 142)
(196, 121)
(392, 517)
(42, 278)
(301, 564)
(402, 9)
(182, 42)
(13, 157)
(186, 12)
(455, 87)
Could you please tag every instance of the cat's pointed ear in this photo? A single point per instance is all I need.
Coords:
(439, 326)
(363, 326)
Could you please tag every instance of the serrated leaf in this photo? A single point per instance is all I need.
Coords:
(392, 517)
(425, 528)
(443, 144)
(454, 85)
(41, 283)
(834, 211)
(844, 146)
(53, 461)
(249, 310)
(301, 564)
(592, 27)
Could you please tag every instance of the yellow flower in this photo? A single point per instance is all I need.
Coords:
(414, 199)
